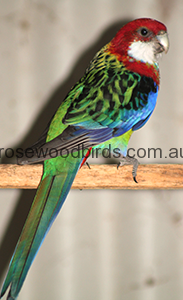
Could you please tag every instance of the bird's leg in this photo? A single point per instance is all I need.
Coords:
(128, 160)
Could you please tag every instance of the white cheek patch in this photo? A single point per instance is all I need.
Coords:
(142, 51)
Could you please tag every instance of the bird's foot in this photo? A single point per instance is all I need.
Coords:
(88, 165)
(128, 160)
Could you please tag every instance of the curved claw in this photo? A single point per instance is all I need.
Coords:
(128, 160)
(88, 165)
(134, 178)
(118, 165)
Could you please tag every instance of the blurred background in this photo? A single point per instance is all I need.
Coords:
(105, 244)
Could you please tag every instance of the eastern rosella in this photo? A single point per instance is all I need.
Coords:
(116, 96)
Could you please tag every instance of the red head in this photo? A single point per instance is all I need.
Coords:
(138, 43)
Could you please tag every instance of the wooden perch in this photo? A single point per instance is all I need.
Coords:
(98, 177)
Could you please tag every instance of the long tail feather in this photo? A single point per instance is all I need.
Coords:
(48, 201)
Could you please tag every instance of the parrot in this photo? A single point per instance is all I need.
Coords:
(115, 97)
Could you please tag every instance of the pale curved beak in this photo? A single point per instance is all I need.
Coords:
(163, 41)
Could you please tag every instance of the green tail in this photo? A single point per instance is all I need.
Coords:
(48, 201)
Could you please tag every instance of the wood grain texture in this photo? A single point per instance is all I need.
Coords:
(98, 177)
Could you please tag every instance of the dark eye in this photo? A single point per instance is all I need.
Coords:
(144, 31)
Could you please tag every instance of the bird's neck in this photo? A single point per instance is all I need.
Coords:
(134, 65)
